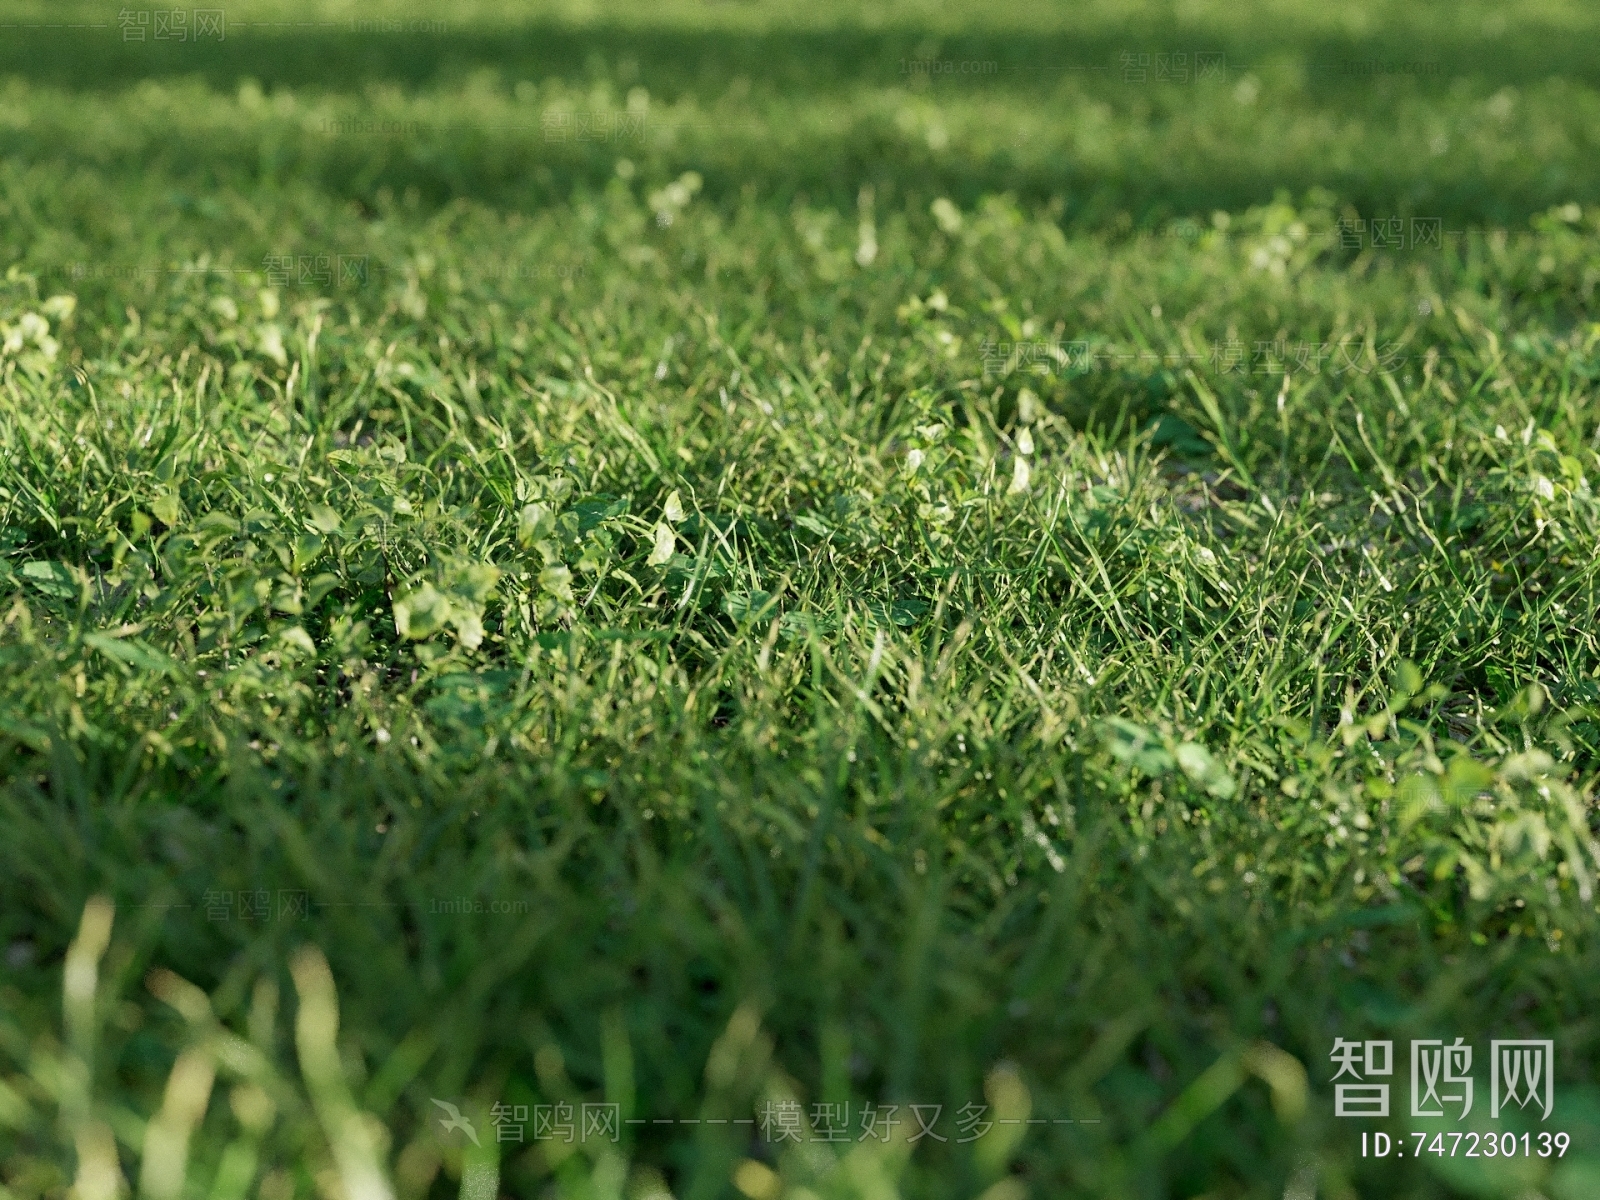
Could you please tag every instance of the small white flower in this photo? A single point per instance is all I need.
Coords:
(1025, 442)
(272, 344)
(662, 553)
(948, 215)
(383, 737)
(867, 248)
(1020, 475)
(913, 461)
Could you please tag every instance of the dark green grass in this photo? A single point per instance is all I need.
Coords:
(649, 554)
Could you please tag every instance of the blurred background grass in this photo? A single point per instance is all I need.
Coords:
(1474, 113)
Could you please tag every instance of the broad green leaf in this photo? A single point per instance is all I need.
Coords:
(133, 653)
(51, 578)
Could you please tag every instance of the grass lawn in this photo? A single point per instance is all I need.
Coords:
(835, 600)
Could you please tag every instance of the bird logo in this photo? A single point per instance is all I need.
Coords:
(454, 1120)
